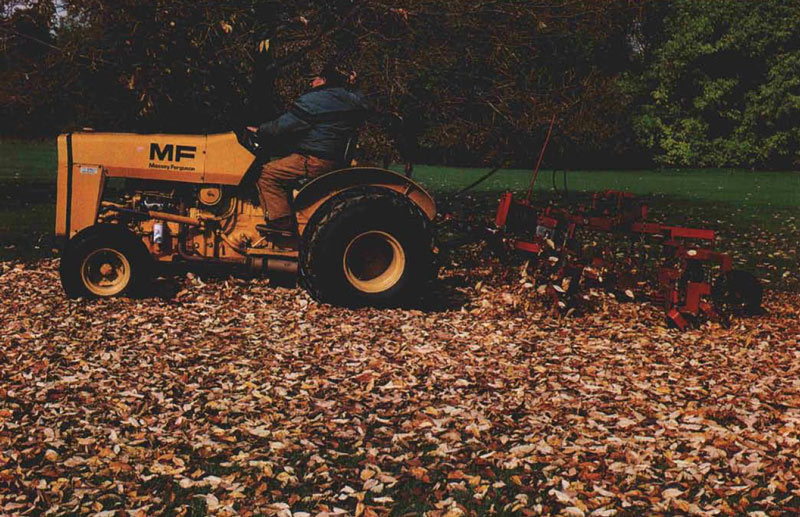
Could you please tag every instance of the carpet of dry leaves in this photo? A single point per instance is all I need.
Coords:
(231, 396)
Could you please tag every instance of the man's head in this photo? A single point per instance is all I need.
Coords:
(326, 75)
(317, 81)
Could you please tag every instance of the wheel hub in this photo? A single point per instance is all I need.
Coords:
(105, 272)
(374, 261)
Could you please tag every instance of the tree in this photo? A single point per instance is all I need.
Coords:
(721, 84)
(479, 81)
(27, 41)
(471, 81)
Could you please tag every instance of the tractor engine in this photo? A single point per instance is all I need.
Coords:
(190, 222)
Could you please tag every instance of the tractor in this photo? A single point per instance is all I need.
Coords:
(363, 233)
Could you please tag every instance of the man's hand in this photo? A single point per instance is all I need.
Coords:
(252, 129)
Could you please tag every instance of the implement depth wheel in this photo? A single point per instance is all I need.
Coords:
(104, 262)
(367, 246)
(738, 292)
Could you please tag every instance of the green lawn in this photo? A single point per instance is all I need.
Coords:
(27, 198)
(741, 187)
(755, 213)
(28, 161)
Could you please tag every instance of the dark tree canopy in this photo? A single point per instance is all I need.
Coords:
(466, 82)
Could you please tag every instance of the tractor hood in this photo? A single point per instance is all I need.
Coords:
(218, 158)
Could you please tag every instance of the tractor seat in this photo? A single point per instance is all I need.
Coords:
(294, 186)
(299, 183)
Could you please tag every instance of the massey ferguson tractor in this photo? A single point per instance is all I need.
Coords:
(363, 235)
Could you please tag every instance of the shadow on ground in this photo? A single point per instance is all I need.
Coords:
(169, 280)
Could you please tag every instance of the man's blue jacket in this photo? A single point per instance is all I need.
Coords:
(320, 122)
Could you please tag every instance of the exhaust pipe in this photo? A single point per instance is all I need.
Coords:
(272, 265)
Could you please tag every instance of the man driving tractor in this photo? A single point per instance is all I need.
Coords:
(317, 129)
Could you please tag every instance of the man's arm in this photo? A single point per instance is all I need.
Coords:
(285, 124)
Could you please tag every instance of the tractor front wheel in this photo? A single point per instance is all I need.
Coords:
(368, 246)
(104, 262)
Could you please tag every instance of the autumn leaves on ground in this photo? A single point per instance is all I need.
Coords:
(231, 396)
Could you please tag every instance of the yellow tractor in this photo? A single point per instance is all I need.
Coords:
(363, 234)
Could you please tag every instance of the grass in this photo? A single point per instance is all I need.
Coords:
(761, 201)
(740, 187)
(29, 162)
(27, 198)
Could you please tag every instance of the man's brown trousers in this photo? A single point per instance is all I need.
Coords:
(272, 185)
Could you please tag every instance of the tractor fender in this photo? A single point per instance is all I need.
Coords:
(107, 228)
(316, 192)
(91, 231)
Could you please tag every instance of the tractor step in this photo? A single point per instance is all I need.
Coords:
(275, 251)
(263, 229)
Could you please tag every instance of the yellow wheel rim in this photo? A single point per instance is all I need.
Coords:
(105, 272)
(374, 262)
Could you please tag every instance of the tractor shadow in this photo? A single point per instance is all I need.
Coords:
(169, 280)
(443, 296)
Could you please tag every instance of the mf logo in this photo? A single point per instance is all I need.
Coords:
(172, 153)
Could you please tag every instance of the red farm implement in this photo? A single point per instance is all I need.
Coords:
(674, 266)
(683, 259)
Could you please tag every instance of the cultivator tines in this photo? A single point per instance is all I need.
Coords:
(683, 267)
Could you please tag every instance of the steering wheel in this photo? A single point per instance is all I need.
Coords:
(249, 140)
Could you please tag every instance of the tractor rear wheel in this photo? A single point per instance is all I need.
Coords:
(366, 246)
(102, 262)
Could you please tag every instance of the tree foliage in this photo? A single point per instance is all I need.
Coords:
(472, 81)
(722, 85)
(27, 43)
(689, 82)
